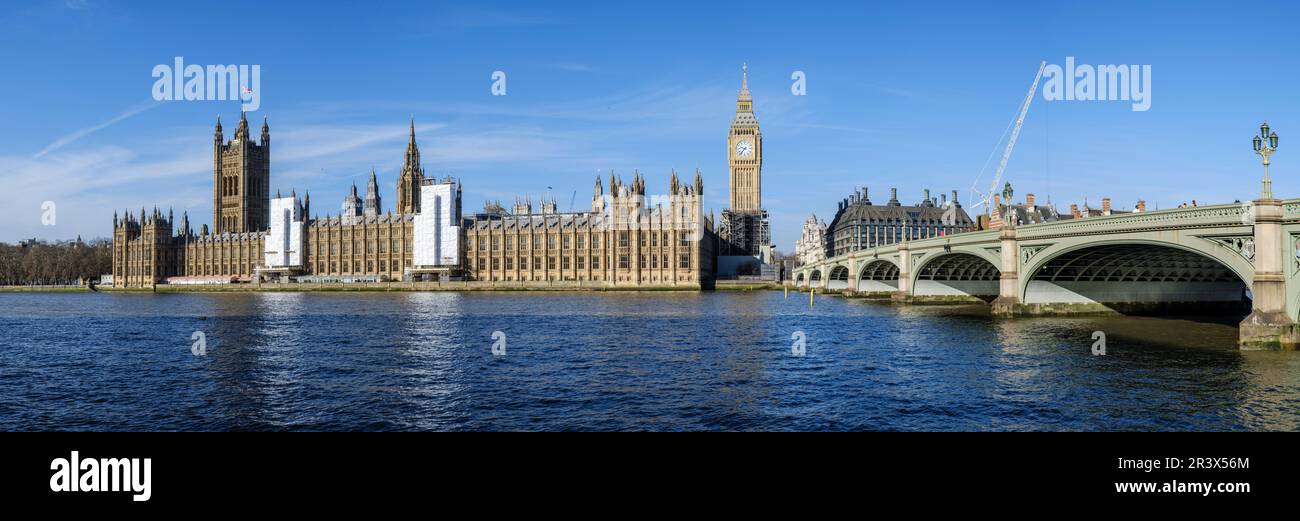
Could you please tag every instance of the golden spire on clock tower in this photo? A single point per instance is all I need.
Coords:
(744, 102)
(745, 152)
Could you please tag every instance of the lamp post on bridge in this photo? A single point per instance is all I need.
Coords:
(1008, 302)
(1265, 145)
(1270, 324)
(1007, 192)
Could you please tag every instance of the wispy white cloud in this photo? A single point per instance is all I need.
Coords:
(87, 184)
(73, 137)
(653, 103)
(302, 143)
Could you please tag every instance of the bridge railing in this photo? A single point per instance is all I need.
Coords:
(1291, 209)
(1200, 216)
(1216, 215)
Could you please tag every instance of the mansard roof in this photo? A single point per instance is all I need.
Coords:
(1039, 214)
(856, 213)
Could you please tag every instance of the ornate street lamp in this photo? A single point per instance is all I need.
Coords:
(1007, 192)
(1265, 145)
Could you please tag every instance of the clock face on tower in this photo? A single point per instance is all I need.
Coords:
(744, 149)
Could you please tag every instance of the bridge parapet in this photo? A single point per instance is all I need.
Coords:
(1201, 216)
(1291, 209)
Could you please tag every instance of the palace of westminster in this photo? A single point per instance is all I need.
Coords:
(626, 239)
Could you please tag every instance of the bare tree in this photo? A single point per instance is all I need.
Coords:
(67, 262)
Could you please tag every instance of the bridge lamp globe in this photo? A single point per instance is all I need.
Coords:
(1272, 140)
(1263, 130)
(1258, 143)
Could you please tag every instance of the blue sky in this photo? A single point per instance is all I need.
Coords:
(897, 96)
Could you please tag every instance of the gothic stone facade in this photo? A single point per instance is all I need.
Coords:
(622, 241)
(811, 246)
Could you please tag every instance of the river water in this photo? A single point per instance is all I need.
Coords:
(614, 361)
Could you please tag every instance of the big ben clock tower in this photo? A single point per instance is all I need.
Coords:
(744, 228)
(745, 152)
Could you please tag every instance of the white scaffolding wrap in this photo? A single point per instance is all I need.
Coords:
(437, 227)
(283, 246)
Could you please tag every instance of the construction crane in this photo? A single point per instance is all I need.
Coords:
(985, 199)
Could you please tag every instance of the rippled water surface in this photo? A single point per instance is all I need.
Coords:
(614, 361)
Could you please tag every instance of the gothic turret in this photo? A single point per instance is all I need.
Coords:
(372, 203)
(241, 133)
(351, 207)
(598, 197)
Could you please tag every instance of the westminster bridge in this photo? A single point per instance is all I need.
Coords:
(1235, 257)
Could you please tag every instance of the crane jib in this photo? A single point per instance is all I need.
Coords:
(1011, 142)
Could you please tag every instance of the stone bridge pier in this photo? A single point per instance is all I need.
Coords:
(1009, 283)
(1269, 324)
(904, 293)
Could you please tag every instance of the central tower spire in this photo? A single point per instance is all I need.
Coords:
(411, 177)
(744, 102)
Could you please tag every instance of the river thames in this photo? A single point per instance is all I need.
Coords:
(615, 361)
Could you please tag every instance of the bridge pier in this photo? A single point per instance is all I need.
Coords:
(852, 287)
(1008, 302)
(1268, 326)
(904, 293)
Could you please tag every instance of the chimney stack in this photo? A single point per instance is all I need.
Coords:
(1029, 201)
(1074, 210)
(995, 212)
(1141, 206)
(1105, 206)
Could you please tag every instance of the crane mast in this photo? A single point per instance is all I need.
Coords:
(984, 199)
